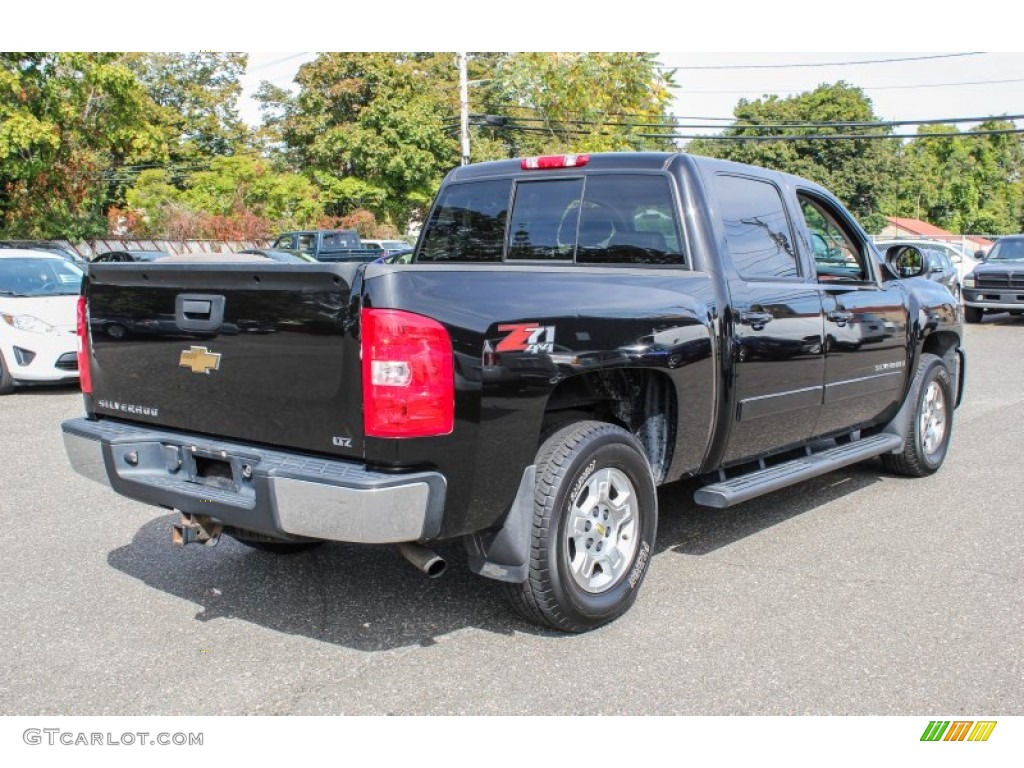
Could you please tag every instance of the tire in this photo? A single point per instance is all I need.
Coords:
(263, 543)
(594, 522)
(6, 381)
(931, 426)
(973, 314)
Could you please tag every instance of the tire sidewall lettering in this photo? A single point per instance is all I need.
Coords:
(590, 605)
(939, 375)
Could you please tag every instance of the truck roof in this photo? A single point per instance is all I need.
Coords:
(627, 161)
(652, 161)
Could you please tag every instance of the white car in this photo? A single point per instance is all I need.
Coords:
(388, 246)
(963, 261)
(38, 304)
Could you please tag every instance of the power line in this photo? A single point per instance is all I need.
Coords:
(780, 137)
(739, 122)
(824, 64)
(838, 137)
(274, 63)
(862, 87)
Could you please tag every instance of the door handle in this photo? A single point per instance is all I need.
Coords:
(756, 320)
(840, 317)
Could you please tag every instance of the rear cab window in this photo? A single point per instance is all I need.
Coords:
(620, 218)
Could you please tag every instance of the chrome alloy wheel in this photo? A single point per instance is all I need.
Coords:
(601, 531)
(933, 418)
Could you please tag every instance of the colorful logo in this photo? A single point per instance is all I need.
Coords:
(958, 730)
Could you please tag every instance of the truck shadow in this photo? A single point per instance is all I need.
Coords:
(370, 599)
(688, 529)
(47, 390)
(361, 597)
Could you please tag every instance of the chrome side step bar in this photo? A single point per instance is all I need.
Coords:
(729, 492)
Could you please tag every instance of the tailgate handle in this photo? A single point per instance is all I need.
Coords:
(198, 312)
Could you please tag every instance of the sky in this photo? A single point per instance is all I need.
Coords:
(902, 86)
(762, 37)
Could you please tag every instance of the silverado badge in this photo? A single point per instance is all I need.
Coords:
(200, 360)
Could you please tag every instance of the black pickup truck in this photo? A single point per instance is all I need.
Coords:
(573, 331)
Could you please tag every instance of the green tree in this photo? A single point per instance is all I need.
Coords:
(964, 183)
(238, 197)
(379, 130)
(368, 127)
(861, 172)
(582, 102)
(197, 99)
(65, 119)
(246, 183)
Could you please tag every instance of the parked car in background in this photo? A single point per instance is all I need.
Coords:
(129, 256)
(327, 245)
(941, 268)
(48, 246)
(388, 246)
(38, 299)
(997, 283)
(961, 260)
(283, 256)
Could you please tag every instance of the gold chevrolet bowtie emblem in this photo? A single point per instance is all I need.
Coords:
(200, 360)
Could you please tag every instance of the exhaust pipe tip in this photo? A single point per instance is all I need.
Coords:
(426, 560)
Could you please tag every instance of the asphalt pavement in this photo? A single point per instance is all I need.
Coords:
(857, 593)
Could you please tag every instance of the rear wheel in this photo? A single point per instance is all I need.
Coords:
(595, 518)
(927, 440)
(973, 314)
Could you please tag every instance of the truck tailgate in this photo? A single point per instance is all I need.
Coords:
(256, 351)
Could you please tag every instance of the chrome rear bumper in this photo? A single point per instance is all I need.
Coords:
(256, 488)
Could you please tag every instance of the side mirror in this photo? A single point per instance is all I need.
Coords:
(979, 255)
(906, 261)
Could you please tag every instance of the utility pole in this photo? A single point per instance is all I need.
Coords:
(464, 106)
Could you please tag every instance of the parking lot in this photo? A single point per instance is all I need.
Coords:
(856, 593)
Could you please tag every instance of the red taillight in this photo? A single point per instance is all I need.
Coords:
(408, 375)
(84, 374)
(553, 161)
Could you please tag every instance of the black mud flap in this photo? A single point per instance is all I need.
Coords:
(504, 555)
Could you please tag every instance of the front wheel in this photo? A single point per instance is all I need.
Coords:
(973, 314)
(6, 380)
(927, 440)
(594, 523)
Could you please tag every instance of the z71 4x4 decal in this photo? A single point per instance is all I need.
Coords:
(527, 337)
